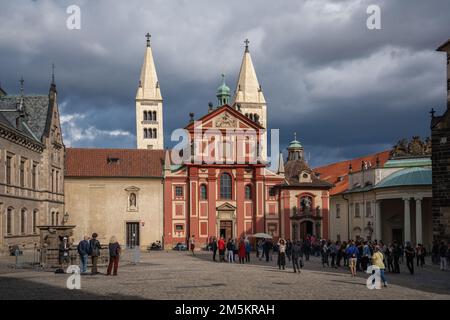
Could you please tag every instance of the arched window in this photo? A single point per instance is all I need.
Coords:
(246, 115)
(35, 220)
(203, 192)
(154, 133)
(9, 217)
(145, 134)
(57, 219)
(150, 133)
(145, 115)
(225, 186)
(154, 115)
(23, 222)
(248, 192)
(52, 219)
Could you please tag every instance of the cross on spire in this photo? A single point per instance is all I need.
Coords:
(148, 36)
(432, 112)
(246, 44)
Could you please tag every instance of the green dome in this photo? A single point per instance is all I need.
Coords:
(295, 144)
(223, 89)
(415, 176)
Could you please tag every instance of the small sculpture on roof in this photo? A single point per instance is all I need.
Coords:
(414, 148)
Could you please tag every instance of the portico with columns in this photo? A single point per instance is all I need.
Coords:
(404, 216)
(393, 202)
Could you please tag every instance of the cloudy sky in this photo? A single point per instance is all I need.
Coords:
(346, 90)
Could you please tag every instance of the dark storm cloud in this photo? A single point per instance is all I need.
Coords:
(346, 90)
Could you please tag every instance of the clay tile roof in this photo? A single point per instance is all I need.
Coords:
(83, 162)
(337, 173)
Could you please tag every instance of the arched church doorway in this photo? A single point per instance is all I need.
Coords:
(306, 228)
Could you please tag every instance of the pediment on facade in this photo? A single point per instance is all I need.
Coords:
(223, 118)
(226, 207)
(132, 189)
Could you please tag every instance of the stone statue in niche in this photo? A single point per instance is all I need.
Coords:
(132, 200)
(306, 204)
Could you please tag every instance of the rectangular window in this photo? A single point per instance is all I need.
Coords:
(53, 180)
(22, 221)
(338, 210)
(357, 213)
(57, 181)
(368, 209)
(179, 228)
(8, 170)
(22, 172)
(178, 191)
(34, 176)
(35, 221)
(9, 221)
(272, 192)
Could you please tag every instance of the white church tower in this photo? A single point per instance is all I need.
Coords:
(249, 96)
(149, 105)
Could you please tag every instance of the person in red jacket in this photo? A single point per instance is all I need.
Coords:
(242, 251)
(221, 246)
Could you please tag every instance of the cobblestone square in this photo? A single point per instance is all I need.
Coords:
(179, 275)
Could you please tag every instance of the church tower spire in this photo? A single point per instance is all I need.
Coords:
(249, 96)
(149, 105)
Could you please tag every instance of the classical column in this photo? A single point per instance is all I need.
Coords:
(407, 220)
(378, 221)
(418, 220)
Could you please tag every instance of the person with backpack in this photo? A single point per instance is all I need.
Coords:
(333, 248)
(366, 256)
(325, 253)
(377, 260)
(213, 247)
(248, 249)
(409, 253)
(420, 255)
(297, 255)
(230, 249)
(114, 254)
(352, 254)
(83, 251)
(221, 245)
(281, 254)
(94, 252)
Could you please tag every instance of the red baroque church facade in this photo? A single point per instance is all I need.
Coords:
(225, 187)
(240, 199)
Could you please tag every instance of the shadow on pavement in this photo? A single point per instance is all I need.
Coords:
(20, 289)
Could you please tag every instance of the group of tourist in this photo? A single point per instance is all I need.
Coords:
(90, 247)
(233, 247)
(357, 255)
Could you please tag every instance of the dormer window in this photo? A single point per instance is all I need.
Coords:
(305, 176)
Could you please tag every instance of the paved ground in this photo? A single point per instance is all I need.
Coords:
(179, 275)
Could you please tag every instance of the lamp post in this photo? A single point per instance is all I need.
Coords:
(65, 218)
